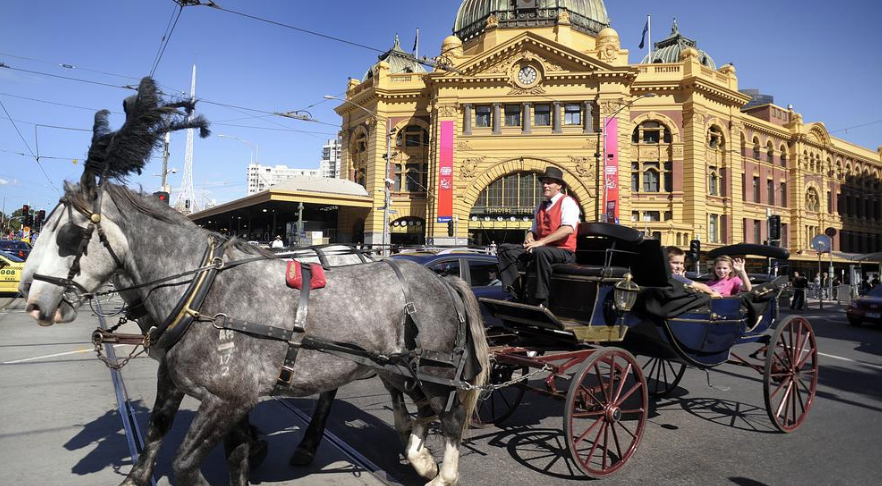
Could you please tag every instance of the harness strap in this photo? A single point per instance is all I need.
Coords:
(322, 258)
(286, 373)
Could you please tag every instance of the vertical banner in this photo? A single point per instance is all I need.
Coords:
(445, 172)
(611, 171)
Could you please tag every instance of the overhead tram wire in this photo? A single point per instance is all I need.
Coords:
(166, 37)
(36, 159)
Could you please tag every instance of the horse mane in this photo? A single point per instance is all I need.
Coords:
(128, 200)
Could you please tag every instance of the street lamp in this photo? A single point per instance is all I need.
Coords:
(601, 162)
(255, 149)
(387, 195)
(164, 175)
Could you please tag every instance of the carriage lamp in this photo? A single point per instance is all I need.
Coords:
(625, 293)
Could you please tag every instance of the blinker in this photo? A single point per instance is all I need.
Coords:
(69, 239)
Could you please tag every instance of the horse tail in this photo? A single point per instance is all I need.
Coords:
(479, 349)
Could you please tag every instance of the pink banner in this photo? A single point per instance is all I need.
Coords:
(445, 173)
(611, 172)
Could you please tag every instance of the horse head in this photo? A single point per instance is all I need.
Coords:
(79, 250)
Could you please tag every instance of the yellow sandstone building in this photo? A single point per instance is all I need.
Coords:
(522, 85)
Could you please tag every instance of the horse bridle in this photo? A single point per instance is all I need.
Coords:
(74, 292)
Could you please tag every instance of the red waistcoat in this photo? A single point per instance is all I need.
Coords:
(548, 220)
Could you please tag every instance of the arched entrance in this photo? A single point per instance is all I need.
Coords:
(409, 230)
(503, 211)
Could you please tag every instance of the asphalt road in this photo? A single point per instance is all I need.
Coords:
(59, 424)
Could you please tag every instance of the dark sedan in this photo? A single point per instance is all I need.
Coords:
(18, 248)
(866, 308)
(477, 269)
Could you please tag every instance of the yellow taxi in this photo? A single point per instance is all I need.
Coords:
(10, 272)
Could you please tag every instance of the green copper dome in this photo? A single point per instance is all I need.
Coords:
(588, 16)
(399, 62)
(668, 50)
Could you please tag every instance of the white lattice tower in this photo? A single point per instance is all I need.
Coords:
(186, 201)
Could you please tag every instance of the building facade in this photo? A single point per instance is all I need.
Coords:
(330, 163)
(518, 89)
(262, 177)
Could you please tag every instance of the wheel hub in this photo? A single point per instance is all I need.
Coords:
(613, 414)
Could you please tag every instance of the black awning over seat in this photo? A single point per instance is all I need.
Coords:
(589, 270)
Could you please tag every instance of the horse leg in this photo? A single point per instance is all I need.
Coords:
(416, 452)
(213, 421)
(452, 427)
(168, 399)
(305, 452)
(237, 445)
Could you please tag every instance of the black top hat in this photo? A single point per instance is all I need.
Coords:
(553, 173)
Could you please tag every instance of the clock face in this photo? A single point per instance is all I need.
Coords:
(527, 75)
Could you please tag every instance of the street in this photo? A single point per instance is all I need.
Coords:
(61, 425)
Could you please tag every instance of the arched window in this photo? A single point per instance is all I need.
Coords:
(715, 138)
(770, 153)
(410, 165)
(713, 179)
(812, 202)
(783, 156)
(756, 148)
(651, 132)
(513, 195)
(359, 159)
(651, 177)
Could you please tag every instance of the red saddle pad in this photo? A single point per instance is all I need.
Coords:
(294, 276)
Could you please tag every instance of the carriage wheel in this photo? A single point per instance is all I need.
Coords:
(606, 411)
(496, 406)
(791, 374)
(662, 375)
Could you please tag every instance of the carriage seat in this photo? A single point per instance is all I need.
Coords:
(589, 270)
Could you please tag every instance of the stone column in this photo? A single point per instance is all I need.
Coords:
(497, 113)
(467, 119)
(589, 118)
(555, 117)
(526, 121)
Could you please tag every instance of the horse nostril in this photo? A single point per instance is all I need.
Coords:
(32, 307)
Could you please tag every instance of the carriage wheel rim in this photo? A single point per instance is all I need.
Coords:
(487, 403)
(615, 406)
(790, 378)
(662, 376)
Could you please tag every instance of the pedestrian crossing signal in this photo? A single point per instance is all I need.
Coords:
(162, 196)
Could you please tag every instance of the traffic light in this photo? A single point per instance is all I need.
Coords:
(40, 219)
(450, 228)
(162, 196)
(695, 249)
(774, 227)
(26, 215)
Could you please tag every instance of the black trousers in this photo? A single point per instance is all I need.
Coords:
(798, 302)
(513, 258)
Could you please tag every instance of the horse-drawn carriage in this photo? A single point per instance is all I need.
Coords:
(618, 302)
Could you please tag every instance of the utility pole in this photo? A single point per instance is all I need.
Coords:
(165, 155)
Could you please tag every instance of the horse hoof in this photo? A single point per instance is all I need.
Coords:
(302, 457)
(258, 452)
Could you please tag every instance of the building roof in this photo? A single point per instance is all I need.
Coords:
(587, 16)
(320, 184)
(668, 50)
(399, 61)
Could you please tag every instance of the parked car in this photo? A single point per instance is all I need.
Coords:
(477, 269)
(866, 308)
(10, 272)
(18, 248)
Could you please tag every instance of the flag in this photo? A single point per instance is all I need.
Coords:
(416, 43)
(643, 35)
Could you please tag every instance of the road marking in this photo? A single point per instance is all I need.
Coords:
(79, 351)
(851, 360)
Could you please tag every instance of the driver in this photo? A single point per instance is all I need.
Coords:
(551, 240)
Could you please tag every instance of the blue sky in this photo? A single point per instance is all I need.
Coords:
(823, 57)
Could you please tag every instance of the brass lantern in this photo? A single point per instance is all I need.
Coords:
(625, 294)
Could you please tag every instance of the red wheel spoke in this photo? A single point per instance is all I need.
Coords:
(801, 362)
(796, 350)
(622, 425)
(605, 452)
(616, 440)
(587, 414)
(600, 380)
(778, 388)
(630, 392)
(622, 383)
(783, 405)
(587, 431)
(596, 441)
(632, 410)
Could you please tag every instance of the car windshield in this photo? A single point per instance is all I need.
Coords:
(14, 245)
(876, 291)
(10, 257)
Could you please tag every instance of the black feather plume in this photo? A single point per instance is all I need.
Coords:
(114, 155)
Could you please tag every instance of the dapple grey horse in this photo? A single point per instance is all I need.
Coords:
(101, 228)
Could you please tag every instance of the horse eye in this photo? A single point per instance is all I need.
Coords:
(69, 238)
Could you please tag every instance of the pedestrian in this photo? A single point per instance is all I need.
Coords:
(493, 247)
(825, 285)
(551, 240)
(277, 243)
(799, 284)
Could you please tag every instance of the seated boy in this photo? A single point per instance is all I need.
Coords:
(677, 260)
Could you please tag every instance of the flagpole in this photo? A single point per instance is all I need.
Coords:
(649, 31)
